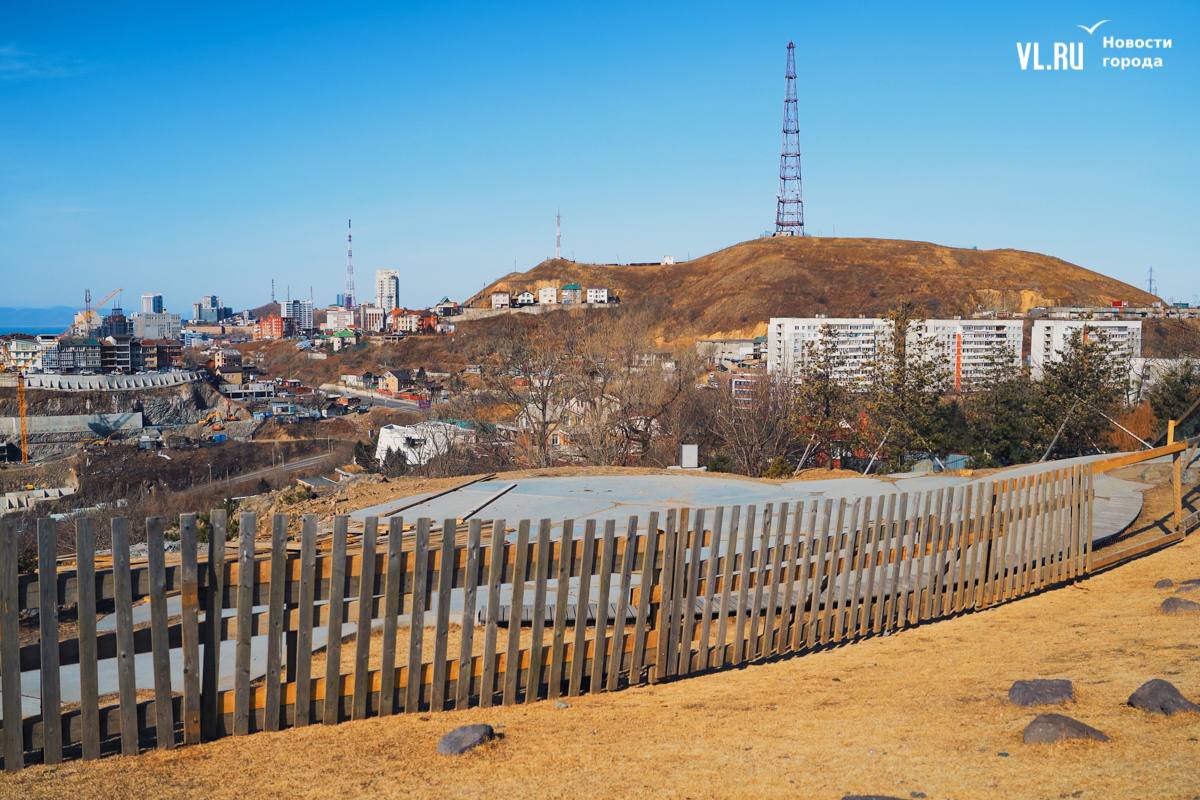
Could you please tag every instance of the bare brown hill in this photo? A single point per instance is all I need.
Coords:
(735, 291)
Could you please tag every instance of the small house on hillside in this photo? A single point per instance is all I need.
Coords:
(547, 296)
(524, 299)
(389, 382)
(501, 300)
(595, 295)
(572, 293)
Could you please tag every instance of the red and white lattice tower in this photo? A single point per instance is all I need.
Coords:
(789, 206)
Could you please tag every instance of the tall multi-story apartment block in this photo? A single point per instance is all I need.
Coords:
(152, 303)
(300, 312)
(387, 289)
(210, 310)
(1050, 337)
(857, 341)
(156, 325)
(968, 348)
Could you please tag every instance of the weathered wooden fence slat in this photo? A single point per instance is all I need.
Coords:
(10, 654)
(89, 689)
(189, 614)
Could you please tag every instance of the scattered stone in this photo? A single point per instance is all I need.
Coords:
(1161, 697)
(1041, 692)
(1177, 605)
(1188, 587)
(468, 737)
(561, 704)
(870, 797)
(1165, 583)
(1002, 754)
(1051, 728)
(1191, 582)
(917, 795)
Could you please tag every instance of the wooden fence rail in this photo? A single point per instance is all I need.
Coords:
(489, 612)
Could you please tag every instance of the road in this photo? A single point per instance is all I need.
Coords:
(374, 397)
(291, 466)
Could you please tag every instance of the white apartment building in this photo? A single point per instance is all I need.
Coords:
(501, 300)
(858, 342)
(967, 347)
(387, 288)
(156, 324)
(597, 295)
(1050, 337)
(301, 311)
(21, 355)
(371, 318)
(337, 319)
(548, 296)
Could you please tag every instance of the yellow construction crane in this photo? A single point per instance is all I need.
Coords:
(87, 309)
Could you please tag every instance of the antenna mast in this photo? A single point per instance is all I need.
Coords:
(557, 234)
(1150, 285)
(349, 298)
(789, 206)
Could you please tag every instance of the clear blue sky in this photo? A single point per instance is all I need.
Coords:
(208, 147)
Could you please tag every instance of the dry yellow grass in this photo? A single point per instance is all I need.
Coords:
(924, 711)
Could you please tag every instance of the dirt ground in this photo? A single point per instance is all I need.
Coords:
(920, 711)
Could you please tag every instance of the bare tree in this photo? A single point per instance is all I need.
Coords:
(756, 427)
(525, 371)
(624, 389)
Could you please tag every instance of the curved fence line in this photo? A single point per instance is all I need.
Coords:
(512, 615)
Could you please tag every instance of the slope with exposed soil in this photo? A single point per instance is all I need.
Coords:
(735, 291)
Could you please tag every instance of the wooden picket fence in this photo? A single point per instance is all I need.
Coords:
(545, 612)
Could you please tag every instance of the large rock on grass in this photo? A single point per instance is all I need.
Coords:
(1165, 583)
(1161, 697)
(1041, 692)
(468, 737)
(1051, 728)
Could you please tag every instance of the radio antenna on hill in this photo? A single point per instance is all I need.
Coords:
(348, 300)
(558, 234)
(1150, 285)
(789, 206)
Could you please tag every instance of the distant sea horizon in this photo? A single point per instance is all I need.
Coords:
(32, 330)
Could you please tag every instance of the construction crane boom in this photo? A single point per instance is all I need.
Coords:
(108, 297)
(88, 308)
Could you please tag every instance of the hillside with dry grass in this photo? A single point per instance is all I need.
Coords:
(735, 291)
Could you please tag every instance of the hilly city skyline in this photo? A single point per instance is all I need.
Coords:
(336, 116)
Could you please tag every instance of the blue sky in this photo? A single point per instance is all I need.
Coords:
(207, 148)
